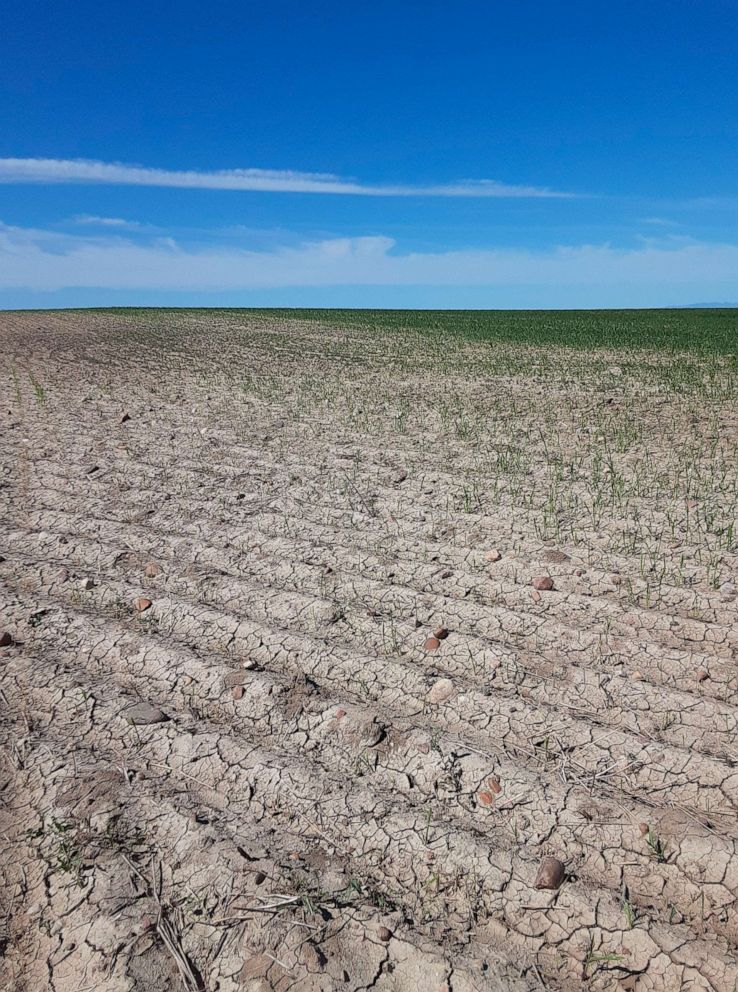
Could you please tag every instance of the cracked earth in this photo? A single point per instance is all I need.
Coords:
(313, 645)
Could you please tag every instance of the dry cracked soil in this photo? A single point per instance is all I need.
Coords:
(316, 644)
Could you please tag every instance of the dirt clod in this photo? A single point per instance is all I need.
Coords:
(440, 691)
(551, 873)
(144, 713)
(432, 644)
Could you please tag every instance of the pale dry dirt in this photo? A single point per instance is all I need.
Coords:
(286, 705)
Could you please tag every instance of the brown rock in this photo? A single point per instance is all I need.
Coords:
(616, 579)
(493, 555)
(237, 692)
(441, 634)
(701, 675)
(543, 583)
(550, 874)
(432, 644)
(152, 570)
(535, 595)
(142, 603)
(340, 713)
(644, 828)
(384, 934)
(485, 798)
(494, 783)
(6, 639)
(62, 575)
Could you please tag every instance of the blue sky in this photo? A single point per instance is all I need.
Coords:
(369, 154)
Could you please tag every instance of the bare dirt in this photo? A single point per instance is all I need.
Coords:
(334, 662)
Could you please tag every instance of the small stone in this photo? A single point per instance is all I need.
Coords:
(485, 799)
(124, 418)
(86, 584)
(701, 675)
(555, 556)
(535, 595)
(152, 570)
(142, 603)
(237, 692)
(259, 878)
(616, 579)
(6, 640)
(543, 583)
(187, 680)
(62, 575)
(644, 828)
(144, 713)
(550, 874)
(432, 644)
(579, 572)
(340, 713)
(249, 664)
(441, 634)
(637, 676)
(494, 783)
(493, 555)
(440, 691)
(384, 934)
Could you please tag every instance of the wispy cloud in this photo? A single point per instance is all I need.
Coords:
(119, 223)
(52, 170)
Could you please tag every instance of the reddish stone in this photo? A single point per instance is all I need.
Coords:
(550, 874)
(543, 583)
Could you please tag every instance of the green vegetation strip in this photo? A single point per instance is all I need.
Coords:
(701, 331)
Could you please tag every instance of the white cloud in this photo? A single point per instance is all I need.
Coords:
(90, 220)
(44, 260)
(52, 170)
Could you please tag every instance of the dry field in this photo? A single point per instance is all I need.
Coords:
(316, 642)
